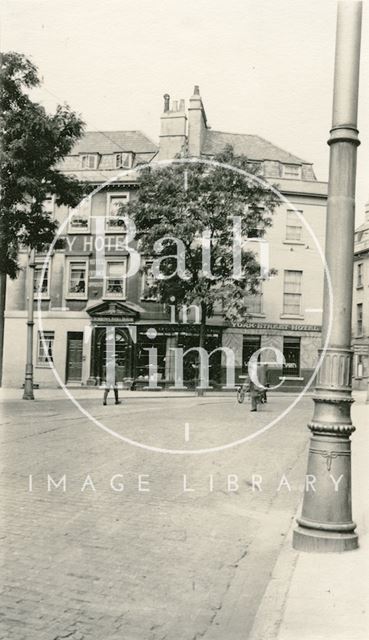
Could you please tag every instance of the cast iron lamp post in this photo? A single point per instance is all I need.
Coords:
(28, 380)
(326, 520)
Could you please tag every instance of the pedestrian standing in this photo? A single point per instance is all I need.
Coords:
(115, 389)
(258, 383)
(254, 394)
(263, 380)
(111, 381)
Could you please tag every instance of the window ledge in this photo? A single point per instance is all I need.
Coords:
(36, 297)
(114, 298)
(72, 297)
(297, 242)
(290, 316)
(359, 286)
(257, 315)
(290, 378)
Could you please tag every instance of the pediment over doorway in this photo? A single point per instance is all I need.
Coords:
(114, 310)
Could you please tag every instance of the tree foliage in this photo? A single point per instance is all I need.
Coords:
(32, 144)
(183, 200)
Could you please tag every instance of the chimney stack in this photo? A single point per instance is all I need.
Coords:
(173, 126)
(197, 123)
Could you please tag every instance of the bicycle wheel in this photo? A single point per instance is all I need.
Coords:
(240, 394)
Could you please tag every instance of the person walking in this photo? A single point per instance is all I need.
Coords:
(106, 392)
(258, 384)
(263, 380)
(254, 394)
(111, 381)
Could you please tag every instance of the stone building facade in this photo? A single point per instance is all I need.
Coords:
(79, 306)
(360, 307)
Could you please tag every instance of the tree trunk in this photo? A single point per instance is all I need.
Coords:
(202, 336)
(3, 278)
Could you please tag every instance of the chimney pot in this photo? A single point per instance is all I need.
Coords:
(175, 105)
(181, 105)
(196, 90)
(166, 97)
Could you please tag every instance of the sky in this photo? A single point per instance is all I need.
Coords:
(264, 67)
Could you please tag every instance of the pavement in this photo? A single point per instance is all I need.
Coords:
(324, 596)
(47, 393)
(143, 544)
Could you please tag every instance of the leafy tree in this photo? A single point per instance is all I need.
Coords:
(32, 144)
(184, 200)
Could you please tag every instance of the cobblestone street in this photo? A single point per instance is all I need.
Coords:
(155, 559)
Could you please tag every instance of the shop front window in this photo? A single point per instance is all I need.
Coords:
(251, 344)
(188, 338)
(291, 353)
(148, 339)
(164, 340)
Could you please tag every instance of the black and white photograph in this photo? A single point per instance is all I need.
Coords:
(184, 320)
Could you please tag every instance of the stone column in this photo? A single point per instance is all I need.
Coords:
(92, 379)
(86, 354)
(172, 342)
(326, 521)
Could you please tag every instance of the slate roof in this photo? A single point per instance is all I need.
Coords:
(107, 142)
(254, 147)
(95, 176)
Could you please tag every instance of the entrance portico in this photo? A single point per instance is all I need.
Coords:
(123, 317)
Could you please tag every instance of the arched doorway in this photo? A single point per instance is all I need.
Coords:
(123, 354)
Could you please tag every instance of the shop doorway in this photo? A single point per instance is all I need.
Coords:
(123, 355)
(74, 356)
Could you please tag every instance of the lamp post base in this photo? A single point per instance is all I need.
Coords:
(28, 392)
(320, 541)
(28, 383)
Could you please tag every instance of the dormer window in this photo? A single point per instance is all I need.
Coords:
(123, 160)
(292, 171)
(89, 160)
(256, 167)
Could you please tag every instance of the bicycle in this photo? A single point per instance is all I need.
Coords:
(242, 389)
